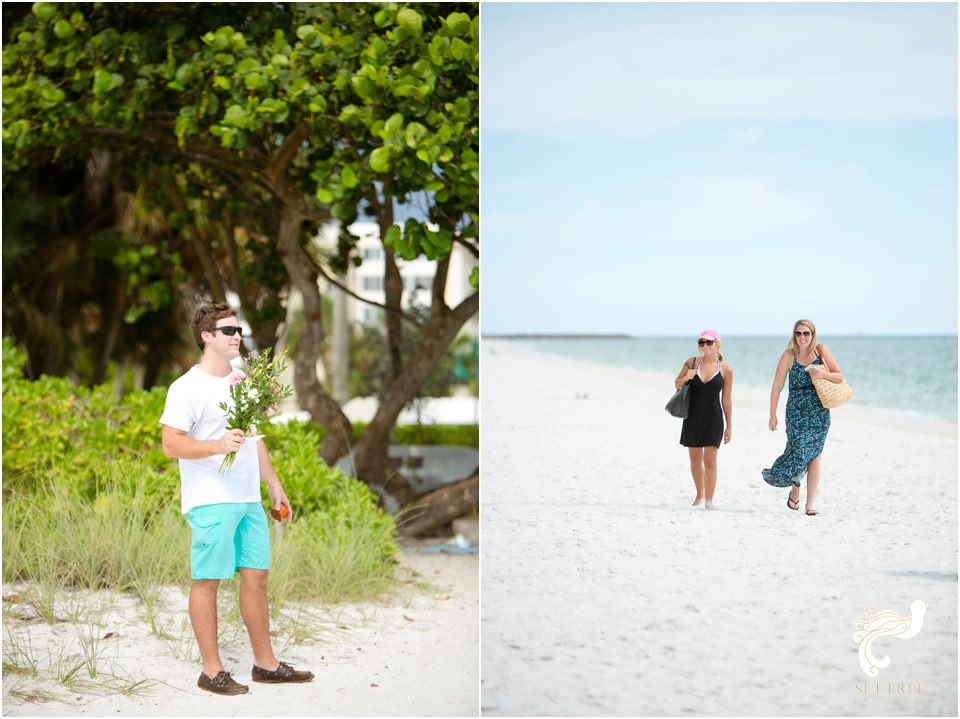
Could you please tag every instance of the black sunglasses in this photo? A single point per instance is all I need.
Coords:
(229, 330)
(701, 343)
(805, 333)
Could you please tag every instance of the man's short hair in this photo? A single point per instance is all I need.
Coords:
(206, 319)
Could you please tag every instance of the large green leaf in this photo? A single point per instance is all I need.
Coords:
(409, 21)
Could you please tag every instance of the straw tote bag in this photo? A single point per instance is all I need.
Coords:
(830, 393)
(679, 404)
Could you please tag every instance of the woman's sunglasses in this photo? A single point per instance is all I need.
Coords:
(805, 333)
(229, 330)
(701, 343)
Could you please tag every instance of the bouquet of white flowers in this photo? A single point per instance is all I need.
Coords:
(256, 395)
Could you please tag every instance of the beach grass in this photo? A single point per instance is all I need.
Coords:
(125, 540)
(126, 547)
(81, 663)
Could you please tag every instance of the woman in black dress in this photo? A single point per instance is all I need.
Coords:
(711, 392)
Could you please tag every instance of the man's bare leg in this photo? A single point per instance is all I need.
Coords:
(253, 609)
(203, 617)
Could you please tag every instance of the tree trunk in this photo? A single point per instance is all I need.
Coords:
(371, 455)
(340, 364)
(440, 507)
(392, 287)
(393, 292)
(251, 295)
(151, 372)
(310, 394)
(200, 247)
(111, 330)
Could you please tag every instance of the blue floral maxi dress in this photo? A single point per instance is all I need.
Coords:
(807, 424)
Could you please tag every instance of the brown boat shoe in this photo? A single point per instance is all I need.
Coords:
(282, 674)
(223, 683)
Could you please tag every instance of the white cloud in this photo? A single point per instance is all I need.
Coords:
(627, 67)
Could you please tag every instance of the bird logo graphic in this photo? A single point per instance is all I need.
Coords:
(886, 623)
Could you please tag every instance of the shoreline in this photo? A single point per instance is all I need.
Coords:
(879, 416)
(412, 653)
(605, 593)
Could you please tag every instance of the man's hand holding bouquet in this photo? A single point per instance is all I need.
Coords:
(256, 396)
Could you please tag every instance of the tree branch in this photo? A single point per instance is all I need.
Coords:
(336, 283)
(438, 304)
(473, 249)
(278, 165)
(200, 153)
(208, 264)
(235, 182)
(466, 309)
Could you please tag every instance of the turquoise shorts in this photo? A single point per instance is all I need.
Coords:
(227, 537)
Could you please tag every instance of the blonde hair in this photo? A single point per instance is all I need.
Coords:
(792, 344)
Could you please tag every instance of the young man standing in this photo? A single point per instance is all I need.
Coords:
(227, 520)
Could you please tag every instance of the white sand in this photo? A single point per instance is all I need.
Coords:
(605, 593)
(415, 655)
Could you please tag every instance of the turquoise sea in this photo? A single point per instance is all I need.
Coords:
(917, 375)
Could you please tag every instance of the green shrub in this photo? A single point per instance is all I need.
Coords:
(14, 360)
(467, 435)
(51, 424)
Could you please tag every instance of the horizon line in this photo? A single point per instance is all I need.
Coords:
(625, 335)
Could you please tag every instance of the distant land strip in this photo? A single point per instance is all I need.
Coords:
(556, 337)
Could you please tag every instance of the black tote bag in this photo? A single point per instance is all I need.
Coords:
(679, 404)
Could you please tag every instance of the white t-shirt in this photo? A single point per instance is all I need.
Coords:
(193, 405)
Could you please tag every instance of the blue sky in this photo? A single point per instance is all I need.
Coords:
(655, 169)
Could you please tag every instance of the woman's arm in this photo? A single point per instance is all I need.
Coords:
(727, 401)
(687, 373)
(779, 380)
(832, 371)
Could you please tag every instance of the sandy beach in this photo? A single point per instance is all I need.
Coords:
(605, 593)
(413, 654)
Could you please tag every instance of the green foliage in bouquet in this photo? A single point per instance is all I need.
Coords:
(256, 395)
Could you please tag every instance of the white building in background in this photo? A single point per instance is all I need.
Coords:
(367, 280)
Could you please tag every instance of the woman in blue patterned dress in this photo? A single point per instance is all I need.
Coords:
(807, 420)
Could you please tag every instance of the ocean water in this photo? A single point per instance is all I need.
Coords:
(916, 375)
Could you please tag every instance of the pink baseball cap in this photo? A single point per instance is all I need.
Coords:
(710, 335)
